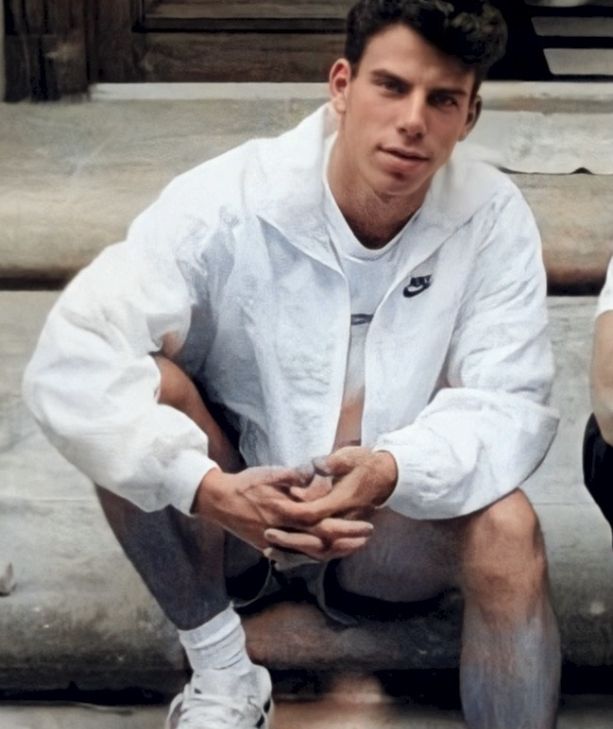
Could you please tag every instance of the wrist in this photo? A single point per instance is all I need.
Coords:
(208, 492)
(387, 472)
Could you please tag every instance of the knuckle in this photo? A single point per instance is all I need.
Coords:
(283, 513)
(323, 530)
(305, 518)
(272, 521)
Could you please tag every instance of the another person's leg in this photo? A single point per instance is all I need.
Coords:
(598, 468)
(185, 561)
(510, 645)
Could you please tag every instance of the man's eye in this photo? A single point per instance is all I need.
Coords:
(444, 100)
(390, 85)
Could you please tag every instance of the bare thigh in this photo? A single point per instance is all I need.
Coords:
(405, 560)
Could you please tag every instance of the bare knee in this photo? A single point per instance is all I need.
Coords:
(503, 561)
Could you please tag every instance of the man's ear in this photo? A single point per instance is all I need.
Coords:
(338, 83)
(474, 112)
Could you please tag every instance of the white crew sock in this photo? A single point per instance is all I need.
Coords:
(218, 644)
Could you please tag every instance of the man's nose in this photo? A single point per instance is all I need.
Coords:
(413, 118)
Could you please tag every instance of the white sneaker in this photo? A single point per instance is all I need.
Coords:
(221, 699)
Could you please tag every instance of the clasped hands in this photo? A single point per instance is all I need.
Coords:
(321, 511)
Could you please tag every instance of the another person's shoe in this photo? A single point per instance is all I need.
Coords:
(223, 699)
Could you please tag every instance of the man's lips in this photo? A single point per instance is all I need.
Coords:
(402, 153)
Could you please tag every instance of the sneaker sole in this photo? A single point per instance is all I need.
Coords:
(265, 721)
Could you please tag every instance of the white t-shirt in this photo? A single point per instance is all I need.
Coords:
(605, 301)
(369, 273)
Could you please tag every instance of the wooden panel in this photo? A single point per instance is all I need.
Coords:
(235, 57)
(31, 13)
(64, 63)
(45, 68)
(38, 17)
(59, 15)
(303, 16)
(24, 16)
(249, 8)
(46, 53)
(91, 42)
(118, 48)
(23, 72)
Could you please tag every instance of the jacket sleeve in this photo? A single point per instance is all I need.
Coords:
(490, 427)
(92, 384)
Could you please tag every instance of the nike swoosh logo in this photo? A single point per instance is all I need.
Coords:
(417, 285)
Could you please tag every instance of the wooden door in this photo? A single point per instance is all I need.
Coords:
(253, 40)
(45, 48)
(58, 47)
(218, 40)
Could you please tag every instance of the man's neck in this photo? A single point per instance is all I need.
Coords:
(373, 233)
(374, 219)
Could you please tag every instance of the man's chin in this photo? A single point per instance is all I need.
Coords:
(395, 189)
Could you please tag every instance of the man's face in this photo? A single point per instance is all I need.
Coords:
(402, 112)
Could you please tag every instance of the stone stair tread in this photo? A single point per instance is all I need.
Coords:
(80, 613)
(79, 173)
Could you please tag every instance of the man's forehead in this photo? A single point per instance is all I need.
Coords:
(404, 53)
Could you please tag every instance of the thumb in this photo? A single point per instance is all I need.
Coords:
(339, 500)
(318, 487)
(341, 462)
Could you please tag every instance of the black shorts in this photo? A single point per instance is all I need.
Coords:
(598, 468)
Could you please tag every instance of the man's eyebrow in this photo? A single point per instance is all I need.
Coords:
(381, 74)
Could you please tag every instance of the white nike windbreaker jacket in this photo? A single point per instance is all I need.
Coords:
(232, 274)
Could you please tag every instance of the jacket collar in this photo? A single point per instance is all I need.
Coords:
(290, 196)
(290, 191)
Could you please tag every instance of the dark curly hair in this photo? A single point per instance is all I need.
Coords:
(473, 31)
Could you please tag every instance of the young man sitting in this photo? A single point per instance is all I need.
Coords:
(349, 293)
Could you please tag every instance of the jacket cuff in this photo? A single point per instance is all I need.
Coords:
(419, 494)
(184, 475)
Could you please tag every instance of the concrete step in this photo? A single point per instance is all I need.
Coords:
(73, 176)
(80, 614)
(347, 711)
